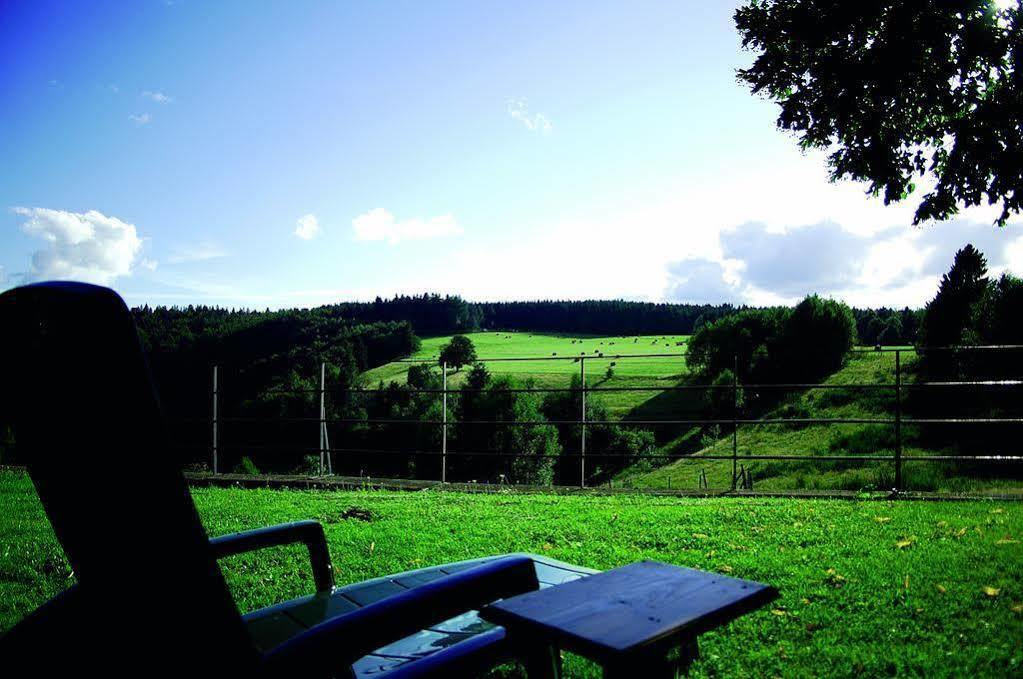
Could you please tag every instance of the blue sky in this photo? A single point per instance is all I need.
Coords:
(297, 153)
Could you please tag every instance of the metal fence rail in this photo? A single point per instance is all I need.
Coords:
(734, 421)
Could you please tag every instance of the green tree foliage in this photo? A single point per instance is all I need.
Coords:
(533, 449)
(951, 318)
(269, 369)
(896, 90)
(743, 342)
(458, 352)
(612, 447)
(887, 327)
(1002, 320)
(723, 401)
(435, 315)
(776, 344)
(816, 338)
(611, 317)
(968, 309)
(494, 452)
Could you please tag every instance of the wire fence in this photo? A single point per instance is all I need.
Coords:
(728, 427)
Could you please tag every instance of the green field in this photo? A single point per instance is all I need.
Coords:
(868, 588)
(632, 372)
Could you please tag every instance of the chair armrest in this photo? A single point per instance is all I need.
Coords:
(308, 532)
(332, 645)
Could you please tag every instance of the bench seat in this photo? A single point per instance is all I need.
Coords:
(467, 635)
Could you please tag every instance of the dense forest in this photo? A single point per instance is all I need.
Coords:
(431, 315)
(437, 315)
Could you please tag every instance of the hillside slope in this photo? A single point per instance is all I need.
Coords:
(823, 440)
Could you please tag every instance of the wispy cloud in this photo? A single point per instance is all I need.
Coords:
(201, 252)
(156, 96)
(140, 119)
(307, 227)
(85, 246)
(535, 122)
(380, 225)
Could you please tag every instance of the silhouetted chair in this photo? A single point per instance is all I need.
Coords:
(150, 598)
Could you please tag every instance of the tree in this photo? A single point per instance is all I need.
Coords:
(721, 401)
(894, 90)
(458, 352)
(950, 318)
(816, 338)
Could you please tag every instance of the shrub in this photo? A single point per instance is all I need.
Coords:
(817, 336)
(246, 466)
(721, 402)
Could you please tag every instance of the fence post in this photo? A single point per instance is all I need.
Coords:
(214, 420)
(323, 413)
(735, 417)
(444, 423)
(582, 422)
(898, 420)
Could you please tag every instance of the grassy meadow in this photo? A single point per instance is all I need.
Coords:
(867, 588)
(819, 439)
(632, 372)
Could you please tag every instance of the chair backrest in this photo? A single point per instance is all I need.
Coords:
(87, 421)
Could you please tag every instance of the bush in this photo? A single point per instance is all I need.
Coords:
(817, 336)
(722, 402)
(246, 466)
(742, 341)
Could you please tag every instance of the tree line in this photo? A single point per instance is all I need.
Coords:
(432, 315)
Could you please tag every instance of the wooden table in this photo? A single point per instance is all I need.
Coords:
(640, 620)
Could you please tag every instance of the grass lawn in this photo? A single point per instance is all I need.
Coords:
(558, 373)
(868, 588)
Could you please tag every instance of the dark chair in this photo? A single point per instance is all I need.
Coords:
(150, 597)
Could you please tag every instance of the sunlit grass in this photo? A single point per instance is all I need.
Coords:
(556, 362)
(868, 588)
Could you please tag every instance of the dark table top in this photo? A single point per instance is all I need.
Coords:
(629, 610)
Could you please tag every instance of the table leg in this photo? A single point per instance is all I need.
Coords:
(542, 662)
(655, 664)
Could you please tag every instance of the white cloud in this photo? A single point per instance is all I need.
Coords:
(85, 246)
(536, 122)
(200, 252)
(156, 96)
(307, 227)
(702, 281)
(899, 266)
(140, 119)
(380, 225)
(630, 246)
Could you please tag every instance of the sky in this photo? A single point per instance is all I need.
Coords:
(280, 154)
